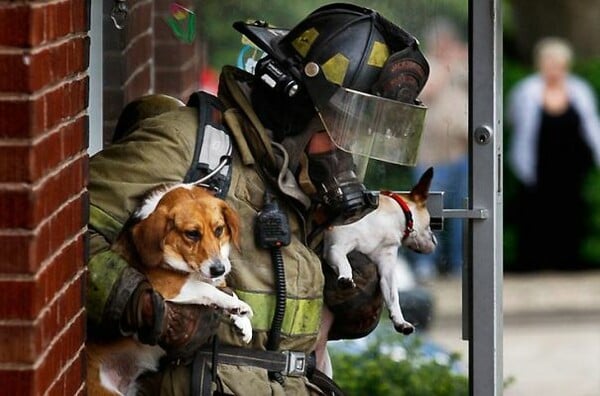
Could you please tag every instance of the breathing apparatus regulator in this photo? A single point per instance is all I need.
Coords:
(360, 74)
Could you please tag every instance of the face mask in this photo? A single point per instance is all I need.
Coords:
(343, 196)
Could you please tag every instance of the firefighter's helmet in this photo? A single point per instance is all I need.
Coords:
(361, 72)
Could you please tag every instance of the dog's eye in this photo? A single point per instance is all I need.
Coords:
(219, 231)
(194, 235)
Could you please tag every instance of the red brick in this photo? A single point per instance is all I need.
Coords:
(28, 163)
(31, 117)
(64, 17)
(28, 25)
(67, 347)
(139, 85)
(139, 19)
(162, 31)
(16, 251)
(21, 118)
(24, 299)
(22, 253)
(25, 342)
(15, 206)
(174, 54)
(72, 379)
(18, 382)
(138, 54)
(14, 72)
(65, 101)
(15, 163)
(178, 83)
(37, 25)
(20, 342)
(80, 15)
(26, 208)
(74, 137)
(36, 381)
(57, 20)
(15, 25)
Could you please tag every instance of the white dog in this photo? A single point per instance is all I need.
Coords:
(399, 220)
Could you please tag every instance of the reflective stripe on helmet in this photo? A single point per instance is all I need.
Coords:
(379, 54)
(335, 68)
(303, 42)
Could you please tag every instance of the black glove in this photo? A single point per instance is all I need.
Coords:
(356, 310)
(180, 329)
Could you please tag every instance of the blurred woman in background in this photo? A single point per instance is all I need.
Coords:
(555, 143)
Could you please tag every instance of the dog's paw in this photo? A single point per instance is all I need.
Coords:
(404, 328)
(345, 283)
(240, 308)
(244, 326)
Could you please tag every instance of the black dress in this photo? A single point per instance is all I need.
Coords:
(553, 219)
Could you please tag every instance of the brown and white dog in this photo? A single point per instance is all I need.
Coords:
(180, 237)
(399, 220)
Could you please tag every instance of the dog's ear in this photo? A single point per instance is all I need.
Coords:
(148, 237)
(233, 223)
(420, 191)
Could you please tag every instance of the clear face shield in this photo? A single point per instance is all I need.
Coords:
(366, 125)
(373, 127)
(362, 126)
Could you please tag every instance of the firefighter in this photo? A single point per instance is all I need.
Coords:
(344, 82)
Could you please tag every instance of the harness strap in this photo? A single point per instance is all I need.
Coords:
(285, 362)
(212, 154)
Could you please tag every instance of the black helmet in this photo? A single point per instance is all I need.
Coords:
(350, 42)
(347, 41)
(336, 46)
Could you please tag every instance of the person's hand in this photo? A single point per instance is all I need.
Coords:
(356, 310)
(180, 329)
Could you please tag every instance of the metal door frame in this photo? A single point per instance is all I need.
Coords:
(482, 286)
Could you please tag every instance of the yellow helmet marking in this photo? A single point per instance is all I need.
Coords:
(379, 54)
(303, 42)
(335, 68)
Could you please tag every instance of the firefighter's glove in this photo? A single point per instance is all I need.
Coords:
(356, 310)
(403, 76)
(180, 329)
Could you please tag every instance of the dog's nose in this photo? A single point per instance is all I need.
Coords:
(217, 269)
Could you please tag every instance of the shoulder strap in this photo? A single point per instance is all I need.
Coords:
(211, 163)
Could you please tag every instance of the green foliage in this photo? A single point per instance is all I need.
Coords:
(375, 372)
(590, 71)
(590, 247)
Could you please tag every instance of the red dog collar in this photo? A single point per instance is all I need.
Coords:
(405, 209)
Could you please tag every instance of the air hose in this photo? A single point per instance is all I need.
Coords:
(272, 232)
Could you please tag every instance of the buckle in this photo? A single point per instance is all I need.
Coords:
(295, 364)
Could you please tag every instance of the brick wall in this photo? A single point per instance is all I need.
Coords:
(144, 57)
(43, 173)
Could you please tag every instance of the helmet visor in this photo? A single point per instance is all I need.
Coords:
(373, 126)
